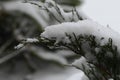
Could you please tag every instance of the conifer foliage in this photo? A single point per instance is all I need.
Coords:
(97, 46)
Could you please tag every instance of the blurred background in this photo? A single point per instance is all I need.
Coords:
(19, 19)
(105, 12)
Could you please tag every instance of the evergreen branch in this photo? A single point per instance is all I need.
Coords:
(104, 66)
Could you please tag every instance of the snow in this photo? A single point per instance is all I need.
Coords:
(19, 46)
(84, 27)
(57, 32)
(31, 40)
(28, 40)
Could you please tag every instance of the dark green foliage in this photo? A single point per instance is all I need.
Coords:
(106, 60)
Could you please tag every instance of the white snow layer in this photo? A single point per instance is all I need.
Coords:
(88, 27)
(19, 46)
(31, 40)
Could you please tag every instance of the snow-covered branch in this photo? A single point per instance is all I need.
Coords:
(98, 45)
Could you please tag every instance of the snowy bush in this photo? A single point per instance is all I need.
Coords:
(97, 45)
(63, 32)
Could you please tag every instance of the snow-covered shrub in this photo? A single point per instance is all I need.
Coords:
(98, 46)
